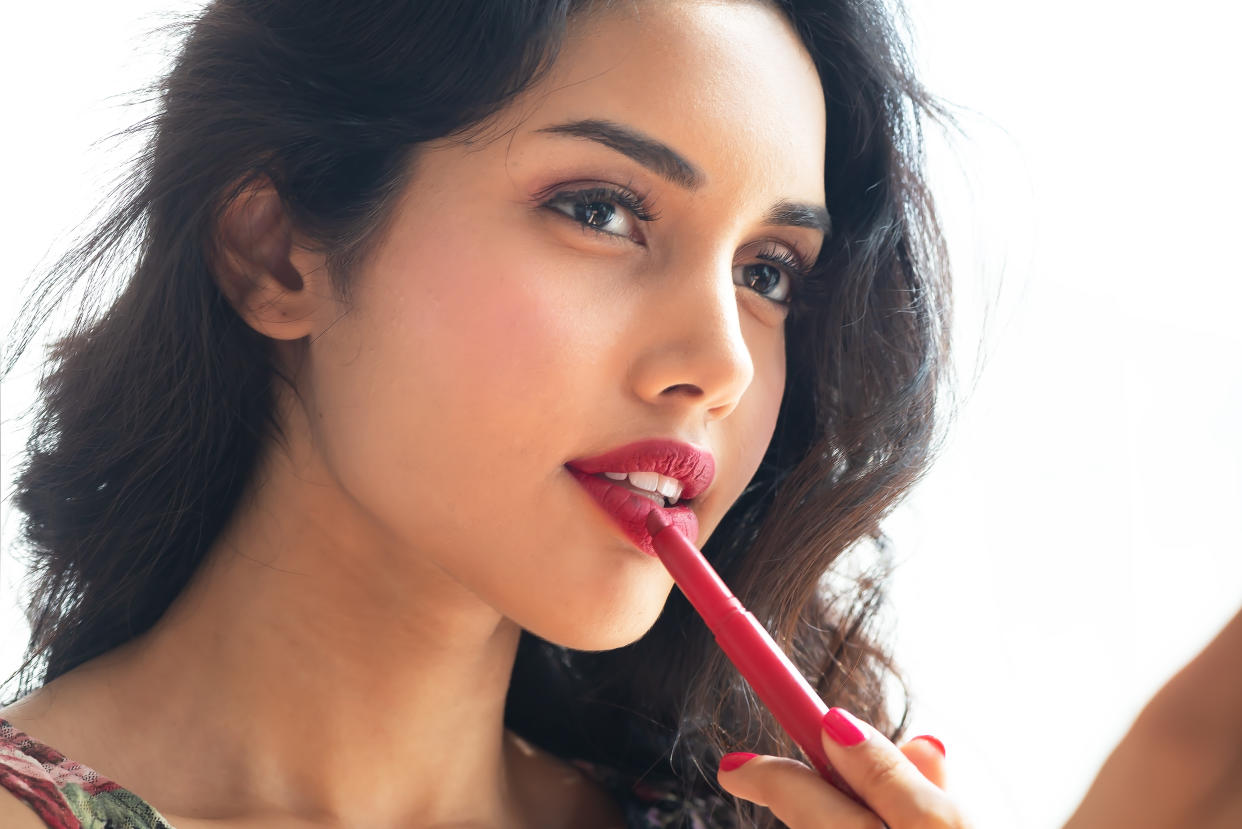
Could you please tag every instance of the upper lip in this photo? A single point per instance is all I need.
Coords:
(692, 466)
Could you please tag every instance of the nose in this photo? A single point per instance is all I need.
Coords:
(692, 349)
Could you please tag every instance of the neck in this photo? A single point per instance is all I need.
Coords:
(318, 671)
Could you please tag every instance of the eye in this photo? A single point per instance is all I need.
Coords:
(775, 276)
(614, 212)
(608, 211)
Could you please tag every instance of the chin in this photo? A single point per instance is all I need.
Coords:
(605, 635)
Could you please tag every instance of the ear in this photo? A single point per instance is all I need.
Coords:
(276, 286)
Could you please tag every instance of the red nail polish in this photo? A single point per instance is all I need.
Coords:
(929, 738)
(841, 728)
(731, 761)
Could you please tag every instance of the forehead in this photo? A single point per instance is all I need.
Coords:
(728, 85)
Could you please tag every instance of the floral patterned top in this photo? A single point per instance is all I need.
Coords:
(68, 795)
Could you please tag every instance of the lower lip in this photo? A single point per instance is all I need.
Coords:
(629, 511)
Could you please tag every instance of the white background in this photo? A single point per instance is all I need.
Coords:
(1081, 537)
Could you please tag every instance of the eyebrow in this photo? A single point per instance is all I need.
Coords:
(670, 165)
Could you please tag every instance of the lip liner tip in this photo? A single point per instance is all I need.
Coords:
(657, 520)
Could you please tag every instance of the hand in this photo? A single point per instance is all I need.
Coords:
(1181, 763)
(902, 787)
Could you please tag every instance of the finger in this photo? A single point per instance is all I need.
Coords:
(883, 776)
(927, 754)
(795, 792)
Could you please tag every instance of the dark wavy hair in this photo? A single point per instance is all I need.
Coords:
(153, 409)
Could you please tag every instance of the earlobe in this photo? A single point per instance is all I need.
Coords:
(254, 266)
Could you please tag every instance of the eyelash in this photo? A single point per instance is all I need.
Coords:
(795, 269)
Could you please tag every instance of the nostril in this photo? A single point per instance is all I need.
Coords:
(688, 388)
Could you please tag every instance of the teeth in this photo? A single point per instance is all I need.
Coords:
(645, 480)
(670, 488)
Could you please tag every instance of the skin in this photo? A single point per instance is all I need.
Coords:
(1177, 767)
(354, 627)
(342, 657)
(1181, 763)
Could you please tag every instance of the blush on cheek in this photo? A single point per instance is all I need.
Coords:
(497, 349)
(510, 337)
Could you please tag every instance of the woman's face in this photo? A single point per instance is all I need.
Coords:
(522, 312)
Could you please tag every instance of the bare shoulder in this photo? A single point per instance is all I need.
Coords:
(36, 717)
(15, 814)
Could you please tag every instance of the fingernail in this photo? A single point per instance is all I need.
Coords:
(841, 727)
(731, 761)
(929, 738)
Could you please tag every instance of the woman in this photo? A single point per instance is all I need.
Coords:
(325, 504)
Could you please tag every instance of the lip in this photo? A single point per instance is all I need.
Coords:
(694, 467)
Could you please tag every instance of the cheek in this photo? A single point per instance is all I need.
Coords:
(458, 386)
(445, 408)
(505, 347)
(463, 343)
(767, 390)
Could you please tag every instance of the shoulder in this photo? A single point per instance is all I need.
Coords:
(15, 814)
(59, 792)
(29, 796)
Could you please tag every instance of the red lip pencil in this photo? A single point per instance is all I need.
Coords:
(773, 677)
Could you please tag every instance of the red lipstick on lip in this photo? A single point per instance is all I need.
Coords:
(694, 467)
(766, 668)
